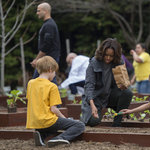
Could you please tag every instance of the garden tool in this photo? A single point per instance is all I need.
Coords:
(113, 115)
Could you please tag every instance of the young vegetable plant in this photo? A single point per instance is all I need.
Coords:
(75, 102)
(133, 117)
(63, 92)
(110, 112)
(13, 97)
(80, 102)
(142, 116)
(147, 112)
(133, 99)
(137, 99)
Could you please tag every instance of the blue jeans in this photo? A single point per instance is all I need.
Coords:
(143, 86)
(73, 87)
(72, 129)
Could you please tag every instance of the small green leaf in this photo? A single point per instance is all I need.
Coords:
(143, 115)
(109, 110)
(80, 102)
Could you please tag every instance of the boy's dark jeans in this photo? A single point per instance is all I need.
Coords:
(73, 129)
(118, 99)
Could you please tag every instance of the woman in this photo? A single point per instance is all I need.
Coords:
(100, 88)
(141, 66)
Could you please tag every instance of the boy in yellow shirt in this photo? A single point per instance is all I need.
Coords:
(42, 112)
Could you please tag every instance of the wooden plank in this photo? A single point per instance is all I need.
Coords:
(116, 138)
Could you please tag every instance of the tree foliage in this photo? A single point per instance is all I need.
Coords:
(12, 16)
(83, 22)
(129, 21)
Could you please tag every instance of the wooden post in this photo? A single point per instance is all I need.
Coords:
(67, 46)
(23, 65)
(98, 43)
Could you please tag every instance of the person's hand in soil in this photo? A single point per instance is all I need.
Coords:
(94, 109)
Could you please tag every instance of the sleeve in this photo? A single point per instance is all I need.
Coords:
(144, 57)
(54, 97)
(48, 38)
(89, 83)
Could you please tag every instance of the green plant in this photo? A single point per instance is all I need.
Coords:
(133, 98)
(63, 92)
(13, 97)
(142, 116)
(147, 112)
(75, 102)
(110, 113)
(137, 99)
(80, 102)
(133, 117)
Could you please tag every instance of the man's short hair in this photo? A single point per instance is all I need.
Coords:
(45, 63)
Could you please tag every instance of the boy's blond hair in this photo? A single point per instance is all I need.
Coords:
(45, 63)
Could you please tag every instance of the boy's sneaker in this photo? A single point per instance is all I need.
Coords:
(37, 139)
(57, 141)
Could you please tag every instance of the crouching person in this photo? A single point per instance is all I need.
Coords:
(42, 112)
(100, 87)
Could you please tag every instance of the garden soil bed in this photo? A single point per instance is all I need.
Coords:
(14, 144)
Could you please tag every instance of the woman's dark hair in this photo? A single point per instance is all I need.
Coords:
(112, 44)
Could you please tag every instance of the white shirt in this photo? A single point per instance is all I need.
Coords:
(78, 70)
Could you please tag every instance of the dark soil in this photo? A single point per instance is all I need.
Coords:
(16, 144)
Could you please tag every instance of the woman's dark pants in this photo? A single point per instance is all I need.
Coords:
(118, 99)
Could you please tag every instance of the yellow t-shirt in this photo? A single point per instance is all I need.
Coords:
(41, 95)
(142, 70)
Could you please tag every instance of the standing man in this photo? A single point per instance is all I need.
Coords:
(48, 42)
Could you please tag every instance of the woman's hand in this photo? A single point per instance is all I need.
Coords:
(94, 109)
(122, 87)
(94, 112)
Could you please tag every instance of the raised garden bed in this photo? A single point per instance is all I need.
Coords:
(19, 118)
(113, 135)
(74, 110)
(4, 98)
(142, 95)
(65, 100)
